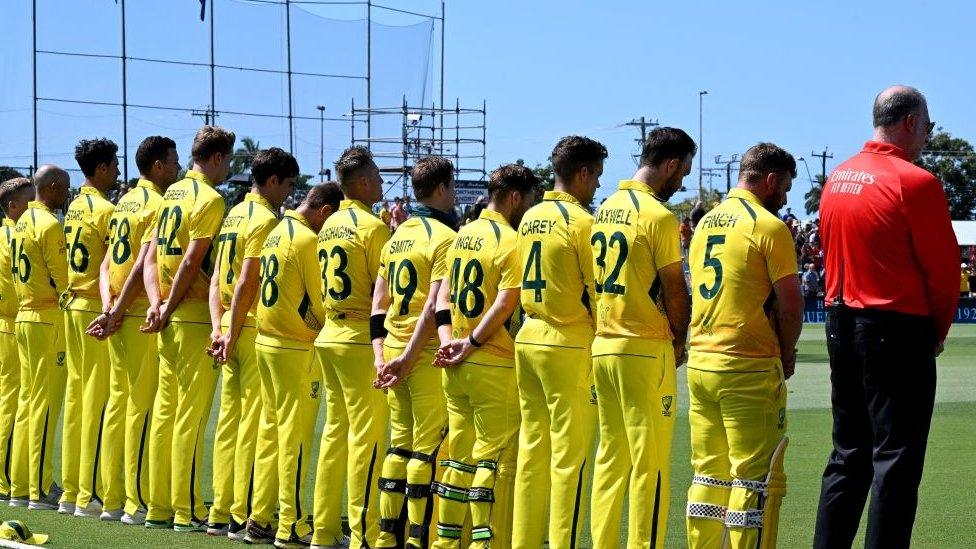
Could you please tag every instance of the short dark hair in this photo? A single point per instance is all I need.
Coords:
(91, 152)
(322, 194)
(890, 108)
(351, 162)
(152, 148)
(211, 140)
(11, 188)
(763, 159)
(574, 152)
(666, 143)
(510, 178)
(270, 162)
(429, 173)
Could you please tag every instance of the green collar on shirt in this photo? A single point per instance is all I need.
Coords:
(255, 197)
(492, 215)
(561, 196)
(423, 210)
(147, 184)
(193, 174)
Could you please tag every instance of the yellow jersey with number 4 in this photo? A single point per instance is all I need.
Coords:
(350, 246)
(483, 261)
(129, 228)
(191, 210)
(38, 260)
(557, 273)
(738, 252)
(414, 257)
(86, 224)
(241, 237)
(8, 293)
(290, 293)
(634, 236)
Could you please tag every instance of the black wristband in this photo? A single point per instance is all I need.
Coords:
(442, 317)
(376, 326)
(474, 342)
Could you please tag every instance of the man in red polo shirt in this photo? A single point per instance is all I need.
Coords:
(891, 296)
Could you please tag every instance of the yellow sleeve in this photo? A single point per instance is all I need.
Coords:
(101, 221)
(258, 234)
(383, 256)
(375, 242)
(55, 250)
(584, 255)
(311, 276)
(206, 217)
(149, 217)
(779, 251)
(438, 264)
(666, 241)
(508, 263)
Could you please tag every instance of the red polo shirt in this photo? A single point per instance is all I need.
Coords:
(888, 239)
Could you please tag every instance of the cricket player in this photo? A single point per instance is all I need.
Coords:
(233, 292)
(747, 313)
(14, 408)
(40, 273)
(642, 315)
(133, 355)
(349, 248)
(552, 352)
(474, 317)
(401, 329)
(289, 318)
(188, 221)
(86, 394)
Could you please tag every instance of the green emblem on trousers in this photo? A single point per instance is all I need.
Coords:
(666, 403)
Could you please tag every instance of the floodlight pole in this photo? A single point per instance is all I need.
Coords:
(291, 125)
(213, 69)
(34, 67)
(369, 68)
(321, 109)
(701, 144)
(443, 20)
(125, 108)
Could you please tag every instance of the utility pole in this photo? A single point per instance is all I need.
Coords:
(728, 170)
(205, 114)
(643, 123)
(823, 162)
(701, 144)
(321, 109)
(711, 173)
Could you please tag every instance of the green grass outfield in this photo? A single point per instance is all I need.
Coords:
(946, 505)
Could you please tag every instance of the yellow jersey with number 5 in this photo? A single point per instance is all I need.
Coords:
(557, 272)
(483, 261)
(191, 210)
(738, 252)
(414, 257)
(86, 233)
(633, 237)
(38, 260)
(241, 237)
(133, 218)
(290, 292)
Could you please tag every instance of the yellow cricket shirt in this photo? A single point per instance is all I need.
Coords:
(557, 273)
(633, 237)
(349, 248)
(241, 237)
(290, 309)
(8, 293)
(129, 228)
(483, 261)
(39, 263)
(738, 252)
(191, 209)
(414, 257)
(86, 224)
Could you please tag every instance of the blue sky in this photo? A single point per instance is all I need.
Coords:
(801, 75)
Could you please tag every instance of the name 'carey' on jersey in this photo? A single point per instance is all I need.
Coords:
(614, 216)
(401, 246)
(537, 226)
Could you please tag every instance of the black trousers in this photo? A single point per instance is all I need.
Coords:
(882, 370)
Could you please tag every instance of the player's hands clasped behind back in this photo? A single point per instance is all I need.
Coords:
(453, 353)
(789, 363)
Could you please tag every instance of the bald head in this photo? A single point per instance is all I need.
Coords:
(49, 174)
(895, 103)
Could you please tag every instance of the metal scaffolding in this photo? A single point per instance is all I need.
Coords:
(426, 131)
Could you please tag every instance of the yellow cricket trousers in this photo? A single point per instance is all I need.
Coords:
(555, 444)
(636, 403)
(237, 376)
(418, 421)
(296, 385)
(40, 339)
(132, 387)
(479, 474)
(19, 461)
(85, 399)
(352, 445)
(737, 419)
(9, 400)
(264, 500)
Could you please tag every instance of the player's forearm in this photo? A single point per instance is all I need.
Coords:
(245, 293)
(215, 306)
(789, 314)
(136, 278)
(186, 273)
(104, 287)
(679, 315)
(425, 326)
(444, 331)
(380, 306)
(499, 313)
